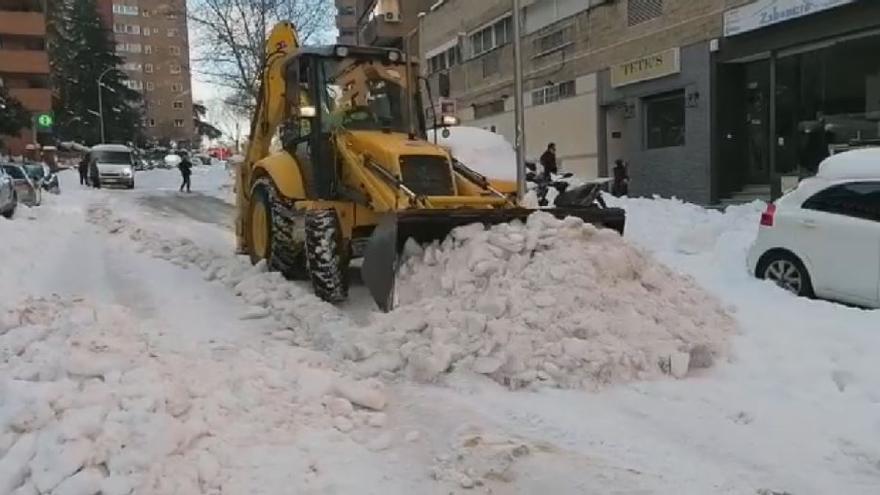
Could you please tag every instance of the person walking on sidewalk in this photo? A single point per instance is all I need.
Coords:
(185, 167)
(620, 186)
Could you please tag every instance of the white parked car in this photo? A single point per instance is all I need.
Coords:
(823, 238)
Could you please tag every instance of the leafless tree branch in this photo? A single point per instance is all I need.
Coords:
(230, 37)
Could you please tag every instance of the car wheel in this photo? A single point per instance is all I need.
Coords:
(786, 271)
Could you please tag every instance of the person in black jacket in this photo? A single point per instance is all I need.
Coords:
(84, 170)
(620, 186)
(548, 161)
(185, 167)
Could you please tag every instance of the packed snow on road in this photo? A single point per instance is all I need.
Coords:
(138, 355)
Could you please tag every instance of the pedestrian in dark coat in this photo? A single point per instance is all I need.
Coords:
(620, 187)
(548, 161)
(84, 170)
(185, 167)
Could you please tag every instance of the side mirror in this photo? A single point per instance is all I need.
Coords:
(308, 112)
(446, 133)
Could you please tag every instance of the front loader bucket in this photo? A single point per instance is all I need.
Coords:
(381, 255)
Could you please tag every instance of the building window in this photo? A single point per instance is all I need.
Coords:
(128, 47)
(639, 11)
(491, 37)
(551, 42)
(146, 32)
(150, 86)
(125, 9)
(174, 68)
(134, 84)
(178, 105)
(152, 123)
(177, 88)
(556, 92)
(132, 66)
(146, 13)
(148, 68)
(174, 50)
(148, 49)
(445, 60)
(178, 122)
(155, 30)
(346, 10)
(488, 109)
(172, 32)
(665, 120)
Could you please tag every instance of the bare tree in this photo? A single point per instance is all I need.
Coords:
(231, 35)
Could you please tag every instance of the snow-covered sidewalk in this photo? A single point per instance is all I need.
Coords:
(138, 355)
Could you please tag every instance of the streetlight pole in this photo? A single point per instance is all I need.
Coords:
(519, 104)
(101, 100)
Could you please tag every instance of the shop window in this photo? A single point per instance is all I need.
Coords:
(665, 120)
(856, 199)
(639, 11)
(828, 101)
(488, 109)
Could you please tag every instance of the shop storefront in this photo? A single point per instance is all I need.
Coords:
(796, 81)
(655, 115)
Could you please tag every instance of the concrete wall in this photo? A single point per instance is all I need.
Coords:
(571, 123)
(684, 171)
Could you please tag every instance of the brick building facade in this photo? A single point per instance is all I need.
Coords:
(24, 63)
(649, 82)
(152, 38)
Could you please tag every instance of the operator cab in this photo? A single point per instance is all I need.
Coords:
(341, 87)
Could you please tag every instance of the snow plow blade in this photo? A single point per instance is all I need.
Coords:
(381, 255)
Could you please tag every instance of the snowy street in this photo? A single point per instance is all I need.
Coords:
(139, 355)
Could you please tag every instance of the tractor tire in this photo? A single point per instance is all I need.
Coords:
(286, 254)
(326, 255)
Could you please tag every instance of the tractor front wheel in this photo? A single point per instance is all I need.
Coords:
(272, 233)
(326, 255)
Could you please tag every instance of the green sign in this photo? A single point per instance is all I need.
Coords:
(45, 120)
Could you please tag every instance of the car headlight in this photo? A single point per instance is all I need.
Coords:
(126, 172)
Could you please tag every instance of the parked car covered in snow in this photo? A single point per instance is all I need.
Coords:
(8, 196)
(823, 238)
(42, 176)
(114, 164)
(27, 191)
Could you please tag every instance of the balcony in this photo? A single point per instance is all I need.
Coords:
(23, 23)
(34, 99)
(24, 62)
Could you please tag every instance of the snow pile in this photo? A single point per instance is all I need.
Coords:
(89, 404)
(550, 302)
(476, 458)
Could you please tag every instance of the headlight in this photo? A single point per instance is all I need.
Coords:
(126, 172)
(394, 56)
(341, 51)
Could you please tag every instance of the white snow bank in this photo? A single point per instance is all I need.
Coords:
(484, 151)
(548, 302)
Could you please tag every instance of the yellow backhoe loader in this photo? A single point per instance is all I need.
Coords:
(353, 175)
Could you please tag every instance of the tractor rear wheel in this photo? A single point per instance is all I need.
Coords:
(273, 232)
(327, 255)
